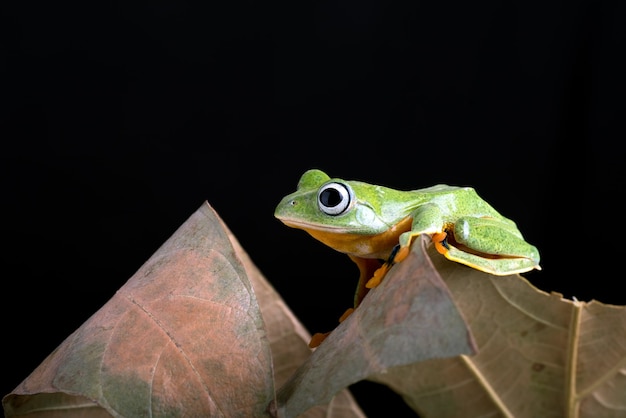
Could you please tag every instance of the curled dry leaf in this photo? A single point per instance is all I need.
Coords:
(183, 337)
(409, 318)
(539, 355)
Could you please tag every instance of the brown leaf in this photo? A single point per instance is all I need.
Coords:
(183, 337)
(539, 354)
(409, 318)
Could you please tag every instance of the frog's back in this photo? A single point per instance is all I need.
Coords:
(455, 201)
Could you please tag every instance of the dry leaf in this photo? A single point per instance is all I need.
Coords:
(148, 350)
(539, 355)
(409, 318)
(183, 337)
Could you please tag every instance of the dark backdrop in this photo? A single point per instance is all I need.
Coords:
(119, 120)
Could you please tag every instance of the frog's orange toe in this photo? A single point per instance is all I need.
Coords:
(317, 339)
(377, 277)
(346, 314)
(402, 253)
(438, 239)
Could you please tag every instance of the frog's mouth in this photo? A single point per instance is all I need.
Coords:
(312, 227)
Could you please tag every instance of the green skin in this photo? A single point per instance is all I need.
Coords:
(478, 236)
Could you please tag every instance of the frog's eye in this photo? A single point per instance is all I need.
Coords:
(334, 198)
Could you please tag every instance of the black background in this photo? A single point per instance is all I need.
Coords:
(119, 120)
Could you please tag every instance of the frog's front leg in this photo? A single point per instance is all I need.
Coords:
(489, 245)
(368, 268)
(427, 219)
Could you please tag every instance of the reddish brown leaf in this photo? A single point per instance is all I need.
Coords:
(183, 337)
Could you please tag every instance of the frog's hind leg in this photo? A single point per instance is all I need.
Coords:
(488, 245)
(495, 266)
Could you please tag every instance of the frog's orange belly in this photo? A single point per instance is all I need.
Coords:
(363, 246)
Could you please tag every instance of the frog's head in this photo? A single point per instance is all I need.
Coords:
(333, 205)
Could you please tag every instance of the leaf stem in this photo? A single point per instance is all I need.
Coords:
(485, 384)
(571, 402)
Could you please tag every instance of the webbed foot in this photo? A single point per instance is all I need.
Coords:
(377, 278)
(398, 254)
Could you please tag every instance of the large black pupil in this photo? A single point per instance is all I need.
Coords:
(330, 198)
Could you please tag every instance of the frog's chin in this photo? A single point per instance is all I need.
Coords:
(347, 241)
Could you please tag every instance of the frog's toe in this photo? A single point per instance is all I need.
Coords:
(439, 239)
(401, 254)
(346, 314)
(377, 278)
(317, 339)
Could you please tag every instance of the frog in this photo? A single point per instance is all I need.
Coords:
(375, 226)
